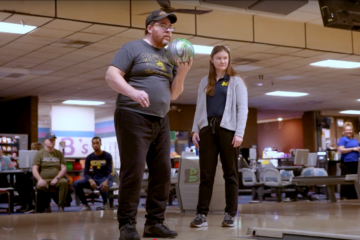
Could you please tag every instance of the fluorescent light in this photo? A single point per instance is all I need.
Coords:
(286, 94)
(357, 112)
(259, 84)
(200, 49)
(280, 119)
(290, 77)
(79, 102)
(15, 28)
(246, 68)
(336, 64)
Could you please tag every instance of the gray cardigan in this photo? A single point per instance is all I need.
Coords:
(236, 107)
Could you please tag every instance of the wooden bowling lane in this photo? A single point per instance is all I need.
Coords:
(336, 218)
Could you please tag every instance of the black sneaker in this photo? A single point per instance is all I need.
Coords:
(199, 221)
(128, 232)
(228, 221)
(159, 230)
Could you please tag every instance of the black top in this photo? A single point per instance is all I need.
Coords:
(215, 105)
(102, 165)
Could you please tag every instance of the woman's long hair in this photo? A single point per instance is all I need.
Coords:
(210, 88)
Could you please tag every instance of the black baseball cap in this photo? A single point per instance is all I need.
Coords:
(50, 136)
(158, 15)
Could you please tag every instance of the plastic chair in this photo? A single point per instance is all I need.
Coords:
(272, 178)
(249, 180)
(112, 189)
(8, 192)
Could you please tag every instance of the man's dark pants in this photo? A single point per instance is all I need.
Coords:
(143, 139)
(83, 183)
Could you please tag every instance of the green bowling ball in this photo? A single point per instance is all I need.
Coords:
(69, 166)
(180, 50)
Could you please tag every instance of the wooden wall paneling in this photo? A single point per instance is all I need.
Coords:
(140, 10)
(284, 135)
(251, 129)
(111, 12)
(226, 25)
(278, 31)
(44, 8)
(328, 39)
(356, 42)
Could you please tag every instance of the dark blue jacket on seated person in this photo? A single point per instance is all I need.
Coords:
(101, 165)
(352, 156)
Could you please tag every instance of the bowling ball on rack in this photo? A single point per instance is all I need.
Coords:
(76, 178)
(179, 50)
(77, 166)
(69, 166)
(71, 180)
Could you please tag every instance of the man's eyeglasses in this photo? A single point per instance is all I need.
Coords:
(165, 27)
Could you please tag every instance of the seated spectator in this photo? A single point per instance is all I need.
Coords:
(101, 163)
(36, 146)
(49, 170)
(24, 186)
(5, 164)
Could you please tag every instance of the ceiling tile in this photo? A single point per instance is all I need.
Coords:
(89, 37)
(4, 15)
(104, 30)
(50, 33)
(204, 41)
(67, 25)
(28, 20)
(36, 40)
(306, 53)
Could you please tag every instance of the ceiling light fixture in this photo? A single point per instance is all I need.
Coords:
(280, 119)
(259, 84)
(290, 77)
(336, 64)
(246, 68)
(81, 102)
(201, 49)
(15, 28)
(357, 112)
(286, 94)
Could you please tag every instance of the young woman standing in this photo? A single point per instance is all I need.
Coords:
(219, 124)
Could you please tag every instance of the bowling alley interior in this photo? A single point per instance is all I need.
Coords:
(299, 60)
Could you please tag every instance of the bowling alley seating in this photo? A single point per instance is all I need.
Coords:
(312, 172)
(8, 192)
(249, 180)
(112, 189)
(93, 194)
(272, 179)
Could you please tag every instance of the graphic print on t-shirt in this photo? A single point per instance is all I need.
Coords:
(156, 63)
(51, 159)
(97, 163)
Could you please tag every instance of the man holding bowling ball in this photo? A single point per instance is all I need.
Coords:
(146, 82)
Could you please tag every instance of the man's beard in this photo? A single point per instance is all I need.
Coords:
(165, 42)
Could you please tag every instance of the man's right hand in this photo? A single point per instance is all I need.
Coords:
(92, 184)
(41, 183)
(141, 97)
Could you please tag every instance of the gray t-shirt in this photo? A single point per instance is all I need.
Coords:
(146, 68)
